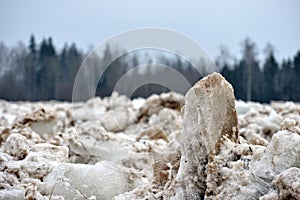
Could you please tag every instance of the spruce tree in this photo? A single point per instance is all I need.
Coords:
(270, 69)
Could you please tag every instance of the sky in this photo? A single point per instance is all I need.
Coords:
(210, 23)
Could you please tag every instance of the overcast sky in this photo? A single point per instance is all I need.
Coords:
(211, 23)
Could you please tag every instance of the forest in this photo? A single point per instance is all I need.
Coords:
(40, 71)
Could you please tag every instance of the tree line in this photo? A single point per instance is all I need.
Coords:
(262, 82)
(36, 72)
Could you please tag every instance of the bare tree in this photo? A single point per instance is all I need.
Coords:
(249, 54)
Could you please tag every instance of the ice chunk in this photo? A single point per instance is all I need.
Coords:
(155, 103)
(138, 103)
(79, 181)
(117, 119)
(12, 194)
(242, 107)
(44, 126)
(288, 183)
(42, 158)
(86, 145)
(89, 112)
(16, 145)
(209, 118)
(282, 152)
(287, 186)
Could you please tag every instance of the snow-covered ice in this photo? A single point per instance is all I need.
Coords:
(205, 145)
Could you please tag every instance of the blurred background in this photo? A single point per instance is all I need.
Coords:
(255, 45)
